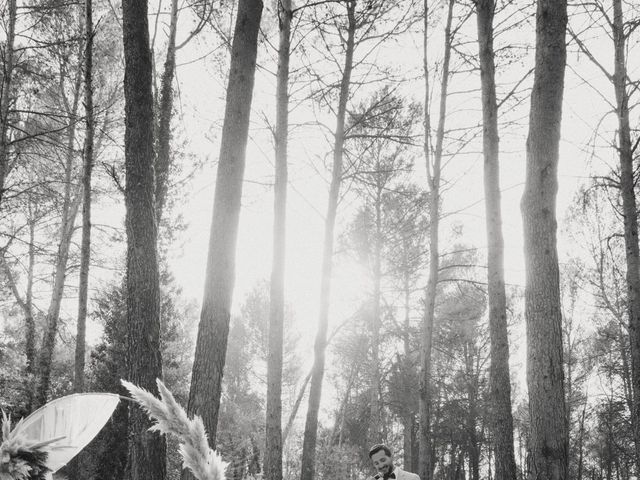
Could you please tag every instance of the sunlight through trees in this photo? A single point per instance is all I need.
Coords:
(326, 225)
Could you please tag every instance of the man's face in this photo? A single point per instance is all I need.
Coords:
(382, 462)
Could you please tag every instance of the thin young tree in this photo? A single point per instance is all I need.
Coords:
(315, 390)
(164, 114)
(164, 105)
(408, 257)
(620, 26)
(85, 247)
(433, 160)
(273, 447)
(85, 243)
(548, 441)
(147, 449)
(381, 157)
(626, 151)
(213, 329)
(70, 204)
(500, 380)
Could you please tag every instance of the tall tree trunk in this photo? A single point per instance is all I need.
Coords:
(433, 177)
(213, 330)
(273, 449)
(548, 445)
(53, 314)
(629, 210)
(30, 334)
(408, 440)
(499, 378)
(71, 203)
(85, 248)
(147, 449)
(473, 450)
(581, 443)
(5, 94)
(375, 427)
(621, 342)
(315, 392)
(165, 111)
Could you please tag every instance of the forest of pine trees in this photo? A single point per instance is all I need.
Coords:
(324, 225)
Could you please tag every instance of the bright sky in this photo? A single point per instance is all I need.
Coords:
(308, 193)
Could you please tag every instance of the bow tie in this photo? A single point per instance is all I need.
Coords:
(391, 475)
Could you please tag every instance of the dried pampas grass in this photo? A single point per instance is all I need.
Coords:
(170, 418)
(21, 459)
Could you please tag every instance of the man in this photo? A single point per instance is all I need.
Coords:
(382, 460)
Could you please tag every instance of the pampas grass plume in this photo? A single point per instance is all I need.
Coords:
(171, 419)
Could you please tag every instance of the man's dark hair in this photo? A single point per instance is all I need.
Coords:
(376, 448)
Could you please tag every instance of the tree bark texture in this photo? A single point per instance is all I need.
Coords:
(146, 459)
(433, 174)
(499, 378)
(85, 247)
(408, 441)
(315, 390)
(165, 112)
(629, 211)
(5, 94)
(548, 445)
(213, 330)
(273, 429)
